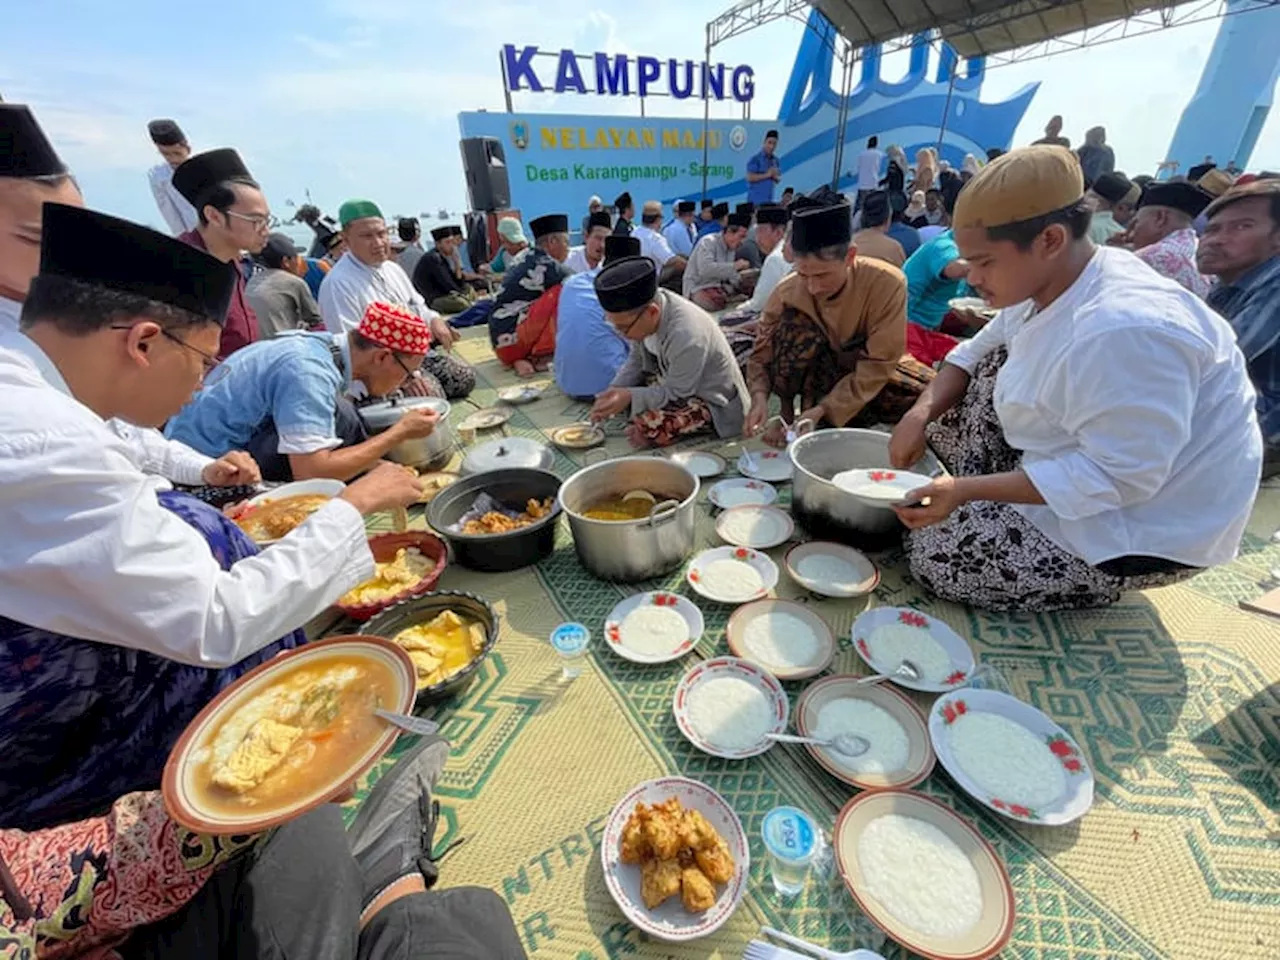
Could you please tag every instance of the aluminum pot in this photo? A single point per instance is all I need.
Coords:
(430, 452)
(830, 513)
(631, 550)
(494, 553)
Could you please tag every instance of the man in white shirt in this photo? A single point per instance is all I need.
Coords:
(178, 213)
(1096, 467)
(870, 161)
(680, 233)
(590, 255)
(117, 586)
(366, 274)
(654, 246)
(31, 174)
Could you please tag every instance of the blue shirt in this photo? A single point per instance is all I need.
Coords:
(1252, 306)
(927, 289)
(589, 351)
(290, 380)
(679, 237)
(906, 235)
(762, 190)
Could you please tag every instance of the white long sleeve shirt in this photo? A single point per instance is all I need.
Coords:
(653, 245)
(1131, 403)
(177, 212)
(775, 267)
(88, 551)
(348, 289)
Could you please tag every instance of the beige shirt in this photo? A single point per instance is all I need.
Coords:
(866, 326)
(881, 246)
(687, 357)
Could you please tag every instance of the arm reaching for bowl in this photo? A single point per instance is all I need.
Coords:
(385, 487)
(346, 462)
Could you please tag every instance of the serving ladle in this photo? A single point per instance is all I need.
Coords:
(849, 744)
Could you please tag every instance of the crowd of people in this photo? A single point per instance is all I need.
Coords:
(1098, 412)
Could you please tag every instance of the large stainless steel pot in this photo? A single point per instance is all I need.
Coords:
(631, 550)
(431, 452)
(831, 513)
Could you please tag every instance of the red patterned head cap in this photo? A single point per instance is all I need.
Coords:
(395, 328)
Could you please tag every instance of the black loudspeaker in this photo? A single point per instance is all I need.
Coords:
(485, 167)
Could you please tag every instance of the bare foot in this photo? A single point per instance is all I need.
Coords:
(543, 365)
(523, 368)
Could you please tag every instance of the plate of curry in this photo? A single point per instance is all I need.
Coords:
(291, 734)
(272, 515)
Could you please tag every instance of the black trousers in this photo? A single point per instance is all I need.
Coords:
(264, 445)
(298, 896)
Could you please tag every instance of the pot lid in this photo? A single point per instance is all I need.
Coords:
(508, 452)
(386, 412)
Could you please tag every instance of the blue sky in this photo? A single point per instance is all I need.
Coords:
(360, 97)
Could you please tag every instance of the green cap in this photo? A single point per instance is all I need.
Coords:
(357, 210)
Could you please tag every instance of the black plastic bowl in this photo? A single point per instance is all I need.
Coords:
(409, 613)
(513, 487)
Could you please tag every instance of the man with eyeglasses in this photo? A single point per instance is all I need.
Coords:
(233, 217)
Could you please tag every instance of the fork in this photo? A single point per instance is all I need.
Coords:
(759, 950)
(813, 948)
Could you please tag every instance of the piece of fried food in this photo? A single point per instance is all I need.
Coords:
(659, 880)
(535, 510)
(263, 749)
(696, 892)
(716, 863)
(662, 832)
(633, 848)
(697, 832)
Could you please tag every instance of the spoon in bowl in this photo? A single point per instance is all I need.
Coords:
(849, 744)
(907, 670)
(419, 725)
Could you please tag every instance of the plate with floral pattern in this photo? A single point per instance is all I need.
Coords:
(652, 640)
(1073, 795)
(710, 560)
(885, 636)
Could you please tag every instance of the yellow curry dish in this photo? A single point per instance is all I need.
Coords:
(391, 579)
(283, 745)
(442, 646)
(272, 519)
(632, 505)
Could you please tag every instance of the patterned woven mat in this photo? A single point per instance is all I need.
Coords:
(1174, 693)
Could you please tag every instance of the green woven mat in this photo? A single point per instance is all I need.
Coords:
(1174, 693)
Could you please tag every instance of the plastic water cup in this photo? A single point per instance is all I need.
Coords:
(571, 642)
(791, 838)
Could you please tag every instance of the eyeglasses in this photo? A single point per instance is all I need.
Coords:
(634, 320)
(409, 374)
(207, 360)
(257, 220)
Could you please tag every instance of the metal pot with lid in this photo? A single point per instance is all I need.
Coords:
(432, 451)
(507, 452)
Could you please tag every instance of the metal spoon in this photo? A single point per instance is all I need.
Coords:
(906, 669)
(419, 725)
(848, 744)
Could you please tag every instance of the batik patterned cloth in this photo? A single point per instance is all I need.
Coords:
(1175, 257)
(987, 554)
(661, 428)
(522, 285)
(82, 723)
(90, 883)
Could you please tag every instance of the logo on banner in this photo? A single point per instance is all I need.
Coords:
(738, 137)
(519, 134)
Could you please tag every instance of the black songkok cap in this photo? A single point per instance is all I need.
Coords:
(407, 227)
(626, 284)
(771, 133)
(114, 254)
(455, 230)
(165, 133)
(600, 218)
(773, 214)
(623, 201)
(196, 177)
(719, 210)
(1113, 187)
(814, 229)
(24, 149)
(686, 206)
(440, 233)
(619, 246)
(707, 204)
(551, 223)
(1186, 197)
(747, 208)
(739, 220)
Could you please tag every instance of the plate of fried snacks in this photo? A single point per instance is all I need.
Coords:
(675, 858)
(406, 565)
(269, 516)
(485, 418)
(577, 436)
(488, 517)
(291, 734)
(434, 482)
